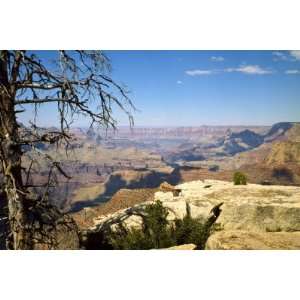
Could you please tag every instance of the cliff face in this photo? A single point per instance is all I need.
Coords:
(252, 213)
(278, 130)
(284, 153)
(246, 140)
(281, 149)
(126, 179)
(242, 141)
(286, 148)
(231, 144)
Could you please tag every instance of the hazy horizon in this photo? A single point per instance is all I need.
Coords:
(177, 126)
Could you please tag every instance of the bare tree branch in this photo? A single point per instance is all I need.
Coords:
(79, 83)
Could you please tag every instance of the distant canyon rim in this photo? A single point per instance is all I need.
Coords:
(101, 162)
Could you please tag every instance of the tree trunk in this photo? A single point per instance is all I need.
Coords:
(11, 162)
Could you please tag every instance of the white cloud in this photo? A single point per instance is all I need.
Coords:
(295, 54)
(288, 56)
(292, 72)
(245, 69)
(250, 69)
(197, 72)
(217, 58)
(179, 82)
(279, 56)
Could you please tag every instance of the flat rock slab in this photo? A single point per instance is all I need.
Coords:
(183, 247)
(250, 207)
(247, 240)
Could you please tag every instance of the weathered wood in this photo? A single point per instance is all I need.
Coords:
(26, 80)
(11, 159)
(214, 215)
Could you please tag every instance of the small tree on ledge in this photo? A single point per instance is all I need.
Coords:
(239, 178)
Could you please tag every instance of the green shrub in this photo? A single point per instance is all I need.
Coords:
(154, 233)
(190, 231)
(157, 232)
(239, 178)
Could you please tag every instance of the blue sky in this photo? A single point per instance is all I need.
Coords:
(191, 88)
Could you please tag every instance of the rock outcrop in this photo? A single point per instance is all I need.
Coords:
(241, 141)
(248, 240)
(278, 130)
(183, 247)
(284, 153)
(254, 212)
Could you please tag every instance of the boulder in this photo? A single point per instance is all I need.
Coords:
(166, 187)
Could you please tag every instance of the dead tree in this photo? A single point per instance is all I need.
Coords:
(72, 81)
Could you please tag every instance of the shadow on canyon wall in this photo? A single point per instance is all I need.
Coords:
(148, 179)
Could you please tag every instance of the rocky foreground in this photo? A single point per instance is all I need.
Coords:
(253, 216)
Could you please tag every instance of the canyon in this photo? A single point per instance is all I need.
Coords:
(110, 172)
